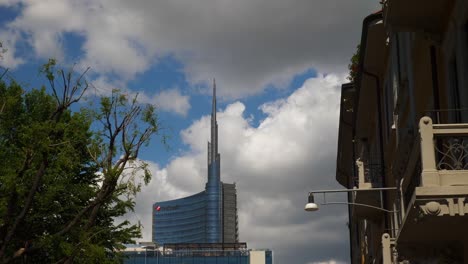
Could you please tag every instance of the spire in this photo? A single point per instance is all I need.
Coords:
(213, 146)
(213, 110)
(214, 199)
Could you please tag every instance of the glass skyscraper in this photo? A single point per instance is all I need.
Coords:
(206, 217)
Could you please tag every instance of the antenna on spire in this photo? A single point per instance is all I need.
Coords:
(214, 90)
(213, 112)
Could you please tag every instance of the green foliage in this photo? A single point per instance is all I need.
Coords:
(65, 175)
(48, 69)
(353, 67)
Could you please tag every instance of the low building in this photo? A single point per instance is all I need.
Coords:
(199, 253)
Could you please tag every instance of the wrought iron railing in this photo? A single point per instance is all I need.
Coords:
(373, 173)
(369, 173)
(451, 152)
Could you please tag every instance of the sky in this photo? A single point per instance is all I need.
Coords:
(278, 66)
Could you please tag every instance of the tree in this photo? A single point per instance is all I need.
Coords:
(65, 175)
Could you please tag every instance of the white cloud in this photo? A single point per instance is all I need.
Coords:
(9, 2)
(170, 100)
(246, 45)
(8, 59)
(158, 189)
(274, 165)
(45, 22)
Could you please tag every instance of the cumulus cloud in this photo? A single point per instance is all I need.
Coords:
(247, 45)
(168, 100)
(274, 164)
(8, 3)
(7, 58)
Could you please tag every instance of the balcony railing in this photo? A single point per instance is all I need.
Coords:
(452, 152)
(370, 174)
(444, 153)
(434, 186)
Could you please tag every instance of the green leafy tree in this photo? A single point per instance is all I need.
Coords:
(65, 175)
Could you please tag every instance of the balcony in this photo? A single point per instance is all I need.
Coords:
(417, 15)
(437, 199)
(369, 177)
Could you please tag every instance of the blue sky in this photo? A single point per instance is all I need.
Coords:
(278, 67)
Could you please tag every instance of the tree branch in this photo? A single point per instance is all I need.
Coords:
(37, 180)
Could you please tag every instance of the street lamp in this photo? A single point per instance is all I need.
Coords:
(311, 206)
(388, 244)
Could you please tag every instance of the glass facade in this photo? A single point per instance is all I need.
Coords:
(181, 220)
(268, 257)
(195, 257)
(213, 206)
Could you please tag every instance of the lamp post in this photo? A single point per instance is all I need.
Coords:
(388, 247)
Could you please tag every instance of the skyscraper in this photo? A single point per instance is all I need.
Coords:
(213, 188)
(206, 217)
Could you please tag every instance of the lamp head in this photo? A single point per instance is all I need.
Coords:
(311, 206)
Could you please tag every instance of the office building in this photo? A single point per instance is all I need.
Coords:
(206, 217)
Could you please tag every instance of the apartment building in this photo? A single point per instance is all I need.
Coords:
(404, 124)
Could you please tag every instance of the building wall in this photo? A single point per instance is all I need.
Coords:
(185, 220)
(181, 220)
(257, 257)
(214, 203)
(200, 257)
(179, 258)
(425, 67)
(230, 221)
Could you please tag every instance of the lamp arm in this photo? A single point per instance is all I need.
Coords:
(355, 190)
(359, 204)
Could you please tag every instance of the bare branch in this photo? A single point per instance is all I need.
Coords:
(65, 89)
(3, 74)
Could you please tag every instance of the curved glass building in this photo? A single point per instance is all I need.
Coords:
(206, 217)
(180, 220)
